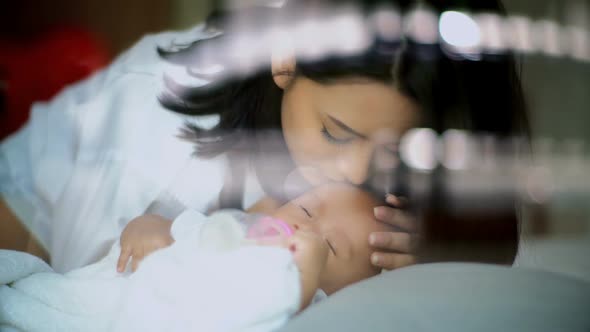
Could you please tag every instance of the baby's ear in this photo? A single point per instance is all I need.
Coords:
(283, 62)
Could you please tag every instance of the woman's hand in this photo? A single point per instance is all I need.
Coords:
(394, 249)
(142, 236)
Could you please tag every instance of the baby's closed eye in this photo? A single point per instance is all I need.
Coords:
(306, 211)
(340, 243)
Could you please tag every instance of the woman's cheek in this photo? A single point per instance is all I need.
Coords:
(302, 146)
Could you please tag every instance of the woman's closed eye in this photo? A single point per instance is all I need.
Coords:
(335, 140)
(310, 216)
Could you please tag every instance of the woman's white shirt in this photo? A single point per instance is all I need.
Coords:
(103, 152)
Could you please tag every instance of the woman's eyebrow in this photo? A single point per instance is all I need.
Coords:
(344, 127)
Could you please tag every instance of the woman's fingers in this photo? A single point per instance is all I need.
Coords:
(395, 217)
(390, 261)
(393, 241)
(395, 247)
(123, 259)
(396, 201)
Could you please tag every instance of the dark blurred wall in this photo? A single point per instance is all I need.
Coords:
(118, 22)
(187, 13)
(558, 93)
(557, 87)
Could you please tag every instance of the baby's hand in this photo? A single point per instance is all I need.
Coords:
(310, 252)
(142, 236)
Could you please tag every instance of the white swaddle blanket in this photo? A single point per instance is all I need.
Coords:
(206, 281)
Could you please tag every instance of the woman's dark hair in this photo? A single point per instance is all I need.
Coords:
(482, 96)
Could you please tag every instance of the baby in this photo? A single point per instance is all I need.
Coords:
(209, 276)
(331, 224)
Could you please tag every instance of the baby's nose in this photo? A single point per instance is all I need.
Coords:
(304, 226)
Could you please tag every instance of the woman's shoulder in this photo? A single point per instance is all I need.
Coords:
(137, 72)
(143, 57)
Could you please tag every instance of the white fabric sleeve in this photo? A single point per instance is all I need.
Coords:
(47, 144)
(54, 129)
(22, 154)
(186, 223)
(99, 154)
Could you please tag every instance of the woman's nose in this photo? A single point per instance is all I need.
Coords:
(355, 165)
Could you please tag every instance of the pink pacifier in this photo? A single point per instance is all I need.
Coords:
(269, 227)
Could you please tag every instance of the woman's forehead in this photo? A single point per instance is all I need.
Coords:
(366, 106)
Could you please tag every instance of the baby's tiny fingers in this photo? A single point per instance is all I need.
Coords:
(390, 261)
(136, 260)
(123, 259)
(162, 242)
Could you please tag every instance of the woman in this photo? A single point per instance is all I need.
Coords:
(103, 152)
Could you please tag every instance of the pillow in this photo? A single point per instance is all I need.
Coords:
(454, 297)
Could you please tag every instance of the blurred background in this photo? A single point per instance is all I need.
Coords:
(556, 230)
(118, 23)
(557, 87)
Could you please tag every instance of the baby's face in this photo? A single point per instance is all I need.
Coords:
(343, 215)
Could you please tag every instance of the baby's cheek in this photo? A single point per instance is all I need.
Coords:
(338, 273)
(344, 273)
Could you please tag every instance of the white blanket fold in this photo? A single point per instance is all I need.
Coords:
(181, 288)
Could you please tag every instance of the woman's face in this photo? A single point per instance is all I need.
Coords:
(335, 131)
